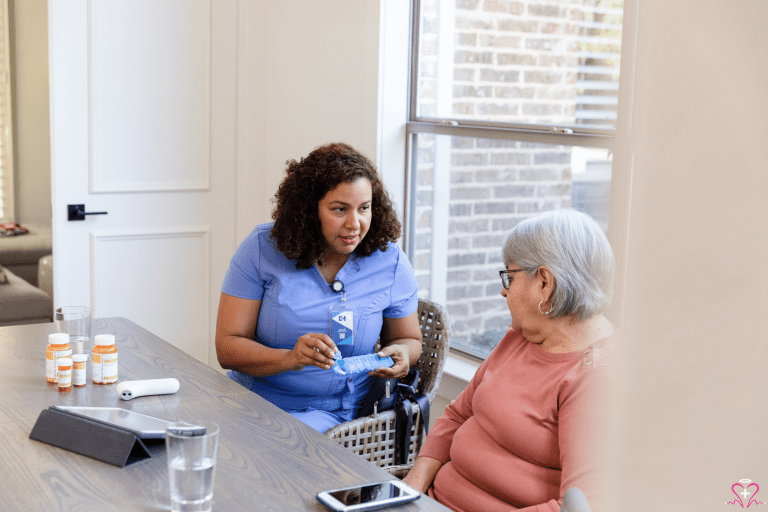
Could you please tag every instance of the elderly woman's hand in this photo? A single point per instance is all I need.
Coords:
(400, 355)
(423, 473)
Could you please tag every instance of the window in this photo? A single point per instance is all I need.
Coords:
(513, 112)
(6, 145)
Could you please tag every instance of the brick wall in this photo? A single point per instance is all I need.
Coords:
(493, 184)
(513, 61)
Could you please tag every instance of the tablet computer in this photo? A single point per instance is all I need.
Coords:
(141, 425)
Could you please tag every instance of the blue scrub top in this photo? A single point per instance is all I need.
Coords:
(298, 301)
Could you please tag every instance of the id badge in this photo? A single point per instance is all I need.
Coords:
(342, 324)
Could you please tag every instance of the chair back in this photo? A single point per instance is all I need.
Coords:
(374, 437)
(435, 327)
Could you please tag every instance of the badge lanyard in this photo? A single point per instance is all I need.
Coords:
(342, 318)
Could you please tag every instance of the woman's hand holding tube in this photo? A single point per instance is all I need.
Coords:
(400, 355)
(311, 349)
(237, 349)
(401, 339)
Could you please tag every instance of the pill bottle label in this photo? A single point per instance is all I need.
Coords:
(50, 363)
(78, 374)
(104, 368)
(96, 369)
(109, 368)
(65, 379)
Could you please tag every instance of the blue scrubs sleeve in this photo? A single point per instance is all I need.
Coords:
(405, 288)
(243, 278)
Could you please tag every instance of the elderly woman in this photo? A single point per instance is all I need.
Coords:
(526, 427)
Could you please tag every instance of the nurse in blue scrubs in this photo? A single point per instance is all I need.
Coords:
(332, 238)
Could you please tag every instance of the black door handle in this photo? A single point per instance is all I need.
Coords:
(77, 212)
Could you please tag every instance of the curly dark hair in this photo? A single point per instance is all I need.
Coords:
(297, 228)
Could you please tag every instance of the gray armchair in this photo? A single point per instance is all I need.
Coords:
(23, 300)
(22, 303)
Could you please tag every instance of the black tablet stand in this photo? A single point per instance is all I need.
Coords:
(96, 440)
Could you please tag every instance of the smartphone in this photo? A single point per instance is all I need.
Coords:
(368, 496)
(143, 426)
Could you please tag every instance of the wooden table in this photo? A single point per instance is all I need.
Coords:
(267, 459)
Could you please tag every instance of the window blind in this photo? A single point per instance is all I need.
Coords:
(599, 40)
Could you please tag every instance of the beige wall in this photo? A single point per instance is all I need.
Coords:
(693, 415)
(31, 118)
(308, 76)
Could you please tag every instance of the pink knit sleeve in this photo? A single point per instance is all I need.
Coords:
(576, 428)
(581, 426)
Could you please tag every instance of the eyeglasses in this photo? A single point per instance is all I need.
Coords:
(504, 274)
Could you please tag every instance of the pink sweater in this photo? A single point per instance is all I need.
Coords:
(523, 431)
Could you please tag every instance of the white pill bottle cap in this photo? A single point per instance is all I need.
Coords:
(105, 339)
(60, 338)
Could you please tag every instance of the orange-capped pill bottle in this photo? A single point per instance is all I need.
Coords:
(64, 374)
(104, 362)
(58, 346)
(79, 362)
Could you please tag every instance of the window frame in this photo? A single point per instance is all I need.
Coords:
(618, 140)
(8, 212)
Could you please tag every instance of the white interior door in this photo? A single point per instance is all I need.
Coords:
(143, 127)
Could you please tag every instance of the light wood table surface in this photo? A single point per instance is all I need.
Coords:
(267, 459)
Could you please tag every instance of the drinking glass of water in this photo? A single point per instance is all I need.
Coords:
(75, 321)
(191, 464)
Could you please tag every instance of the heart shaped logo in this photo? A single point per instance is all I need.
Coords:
(746, 492)
(752, 500)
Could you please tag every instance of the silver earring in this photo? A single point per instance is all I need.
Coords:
(551, 307)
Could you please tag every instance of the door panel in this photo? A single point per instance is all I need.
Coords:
(176, 263)
(150, 83)
(143, 126)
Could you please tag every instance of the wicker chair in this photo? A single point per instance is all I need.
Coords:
(400, 471)
(373, 437)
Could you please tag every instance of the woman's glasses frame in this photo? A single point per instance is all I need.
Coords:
(504, 275)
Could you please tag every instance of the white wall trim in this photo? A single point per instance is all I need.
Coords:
(623, 163)
(457, 373)
(460, 367)
(392, 108)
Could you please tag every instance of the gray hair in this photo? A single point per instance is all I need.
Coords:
(574, 248)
